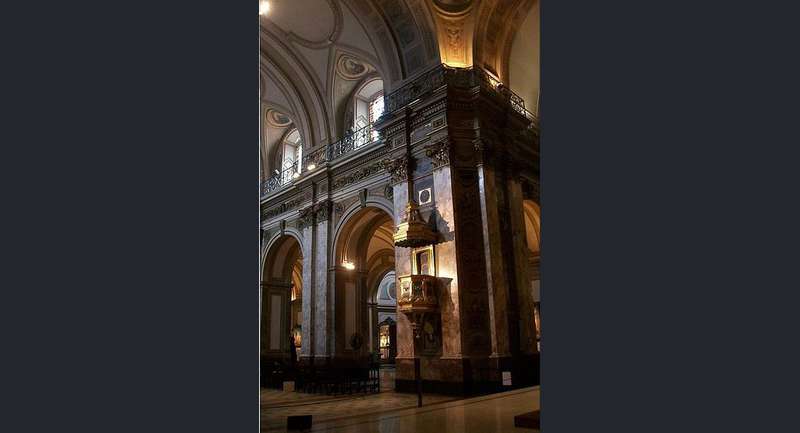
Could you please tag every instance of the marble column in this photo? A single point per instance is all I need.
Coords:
(496, 280)
(446, 263)
(307, 327)
(521, 265)
(323, 301)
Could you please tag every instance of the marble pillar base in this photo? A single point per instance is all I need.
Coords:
(467, 376)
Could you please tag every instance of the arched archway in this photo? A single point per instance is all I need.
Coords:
(281, 301)
(363, 255)
(383, 302)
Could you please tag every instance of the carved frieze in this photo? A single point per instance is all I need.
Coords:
(358, 175)
(287, 206)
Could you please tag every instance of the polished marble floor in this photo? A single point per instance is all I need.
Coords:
(390, 412)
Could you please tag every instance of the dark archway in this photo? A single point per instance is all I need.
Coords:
(281, 282)
(364, 255)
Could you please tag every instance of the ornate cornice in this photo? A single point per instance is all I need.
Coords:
(287, 206)
(358, 175)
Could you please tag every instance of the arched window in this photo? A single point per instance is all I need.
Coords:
(291, 155)
(368, 106)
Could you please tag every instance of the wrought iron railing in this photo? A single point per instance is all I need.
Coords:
(279, 179)
(350, 142)
(423, 85)
(442, 74)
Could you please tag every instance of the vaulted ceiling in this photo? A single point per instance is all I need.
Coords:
(315, 54)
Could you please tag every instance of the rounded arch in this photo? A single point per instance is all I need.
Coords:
(405, 41)
(283, 254)
(357, 109)
(281, 278)
(363, 234)
(363, 253)
(274, 240)
(496, 27)
(296, 87)
(522, 59)
(351, 211)
(385, 278)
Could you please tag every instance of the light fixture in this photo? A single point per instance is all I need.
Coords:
(311, 166)
(263, 7)
(348, 265)
(295, 175)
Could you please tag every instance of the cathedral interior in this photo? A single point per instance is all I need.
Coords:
(399, 196)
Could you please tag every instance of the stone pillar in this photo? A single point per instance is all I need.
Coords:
(446, 262)
(309, 289)
(495, 267)
(527, 323)
(324, 298)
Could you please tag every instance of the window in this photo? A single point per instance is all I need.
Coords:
(375, 112)
(375, 109)
(292, 155)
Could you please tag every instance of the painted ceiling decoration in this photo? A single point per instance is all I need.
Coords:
(277, 119)
(351, 68)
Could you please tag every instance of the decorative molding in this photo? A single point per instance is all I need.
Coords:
(322, 211)
(398, 168)
(358, 175)
(338, 23)
(274, 211)
(338, 209)
(439, 153)
(306, 218)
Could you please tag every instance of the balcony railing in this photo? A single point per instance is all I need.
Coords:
(350, 142)
(440, 75)
(423, 85)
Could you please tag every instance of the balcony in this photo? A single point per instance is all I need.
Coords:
(349, 143)
(472, 77)
(420, 87)
(418, 294)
